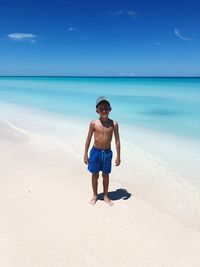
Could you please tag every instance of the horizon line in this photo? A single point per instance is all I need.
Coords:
(100, 76)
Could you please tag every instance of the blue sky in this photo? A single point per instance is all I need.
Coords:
(111, 38)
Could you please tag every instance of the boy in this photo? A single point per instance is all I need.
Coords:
(101, 155)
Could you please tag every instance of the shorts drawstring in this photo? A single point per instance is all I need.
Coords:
(103, 155)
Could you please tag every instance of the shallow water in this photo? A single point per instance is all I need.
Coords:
(169, 105)
(159, 130)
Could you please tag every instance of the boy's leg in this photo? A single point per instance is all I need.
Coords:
(95, 177)
(105, 189)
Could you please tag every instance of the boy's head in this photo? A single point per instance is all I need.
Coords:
(102, 99)
(103, 105)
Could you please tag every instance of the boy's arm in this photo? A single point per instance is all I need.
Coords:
(117, 143)
(88, 140)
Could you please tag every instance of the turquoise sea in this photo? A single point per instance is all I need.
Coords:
(169, 105)
(159, 130)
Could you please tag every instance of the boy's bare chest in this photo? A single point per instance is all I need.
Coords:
(104, 129)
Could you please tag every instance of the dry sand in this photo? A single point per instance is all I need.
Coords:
(46, 219)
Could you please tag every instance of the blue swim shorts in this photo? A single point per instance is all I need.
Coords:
(100, 160)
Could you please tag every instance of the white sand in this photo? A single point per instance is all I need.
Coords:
(46, 219)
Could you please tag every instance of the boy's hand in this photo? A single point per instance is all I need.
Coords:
(117, 161)
(86, 159)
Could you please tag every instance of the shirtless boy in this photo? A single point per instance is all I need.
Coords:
(101, 154)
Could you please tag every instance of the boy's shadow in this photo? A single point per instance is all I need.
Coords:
(116, 195)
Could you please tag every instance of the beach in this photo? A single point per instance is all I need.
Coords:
(45, 188)
(59, 59)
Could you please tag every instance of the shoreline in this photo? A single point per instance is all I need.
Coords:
(46, 218)
(153, 164)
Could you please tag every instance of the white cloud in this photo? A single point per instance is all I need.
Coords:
(126, 74)
(124, 12)
(131, 13)
(179, 35)
(70, 29)
(118, 12)
(23, 37)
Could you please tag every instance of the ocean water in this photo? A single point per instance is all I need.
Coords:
(159, 130)
(169, 105)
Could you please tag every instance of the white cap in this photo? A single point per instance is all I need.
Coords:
(102, 99)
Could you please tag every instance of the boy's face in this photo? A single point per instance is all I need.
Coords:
(103, 109)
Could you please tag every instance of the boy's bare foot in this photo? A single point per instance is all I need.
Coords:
(108, 201)
(93, 200)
